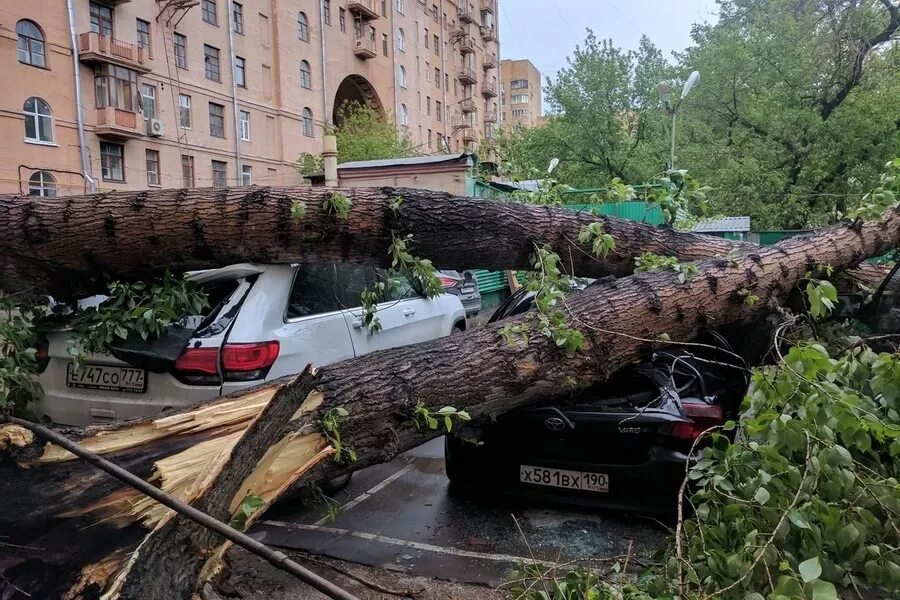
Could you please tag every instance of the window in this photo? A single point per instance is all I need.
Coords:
(521, 99)
(401, 40)
(437, 77)
(216, 120)
(426, 37)
(152, 167)
(219, 173)
(303, 26)
(401, 8)
(112, 161)
(208, 12)
(148, 101)
(240, 72)
(402, 76)
(326, 11)
(316, 289)
(31, 46)
(428, 105)
(437, 45)
(305, 75)
(211, 63)
(42, 183)
(246, 175)
(237, 16)
(245, 124)
(437, 110)
(38, 121)
(428, 139)
(520, 112)
(518, 84)
(116, 87)
(184, 111)
(384, 44)
(307, 117)
(143, 34)
(101, 19)
(404, 115)
(342, 18)
(180, 44)
(187, 171)
(264, 30)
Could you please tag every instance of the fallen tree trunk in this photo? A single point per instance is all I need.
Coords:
(262, 441)
(73, 245)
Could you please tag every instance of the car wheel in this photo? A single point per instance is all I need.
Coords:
(458, 328)
(458, 465)
(330, 487)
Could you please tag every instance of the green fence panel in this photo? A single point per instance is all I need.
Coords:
(633, 211)
(490, 281)
(767, 238)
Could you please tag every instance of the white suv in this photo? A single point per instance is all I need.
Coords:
(264, 322)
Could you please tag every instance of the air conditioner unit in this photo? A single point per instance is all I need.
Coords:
(156, 128)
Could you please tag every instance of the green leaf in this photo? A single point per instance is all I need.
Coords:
(762, 495)
(822, 590)
(810, 569)
(847, 535)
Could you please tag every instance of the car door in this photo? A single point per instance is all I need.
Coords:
(423, 318)
(355, 279)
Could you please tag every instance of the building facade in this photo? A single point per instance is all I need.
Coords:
(520, 92)
(187, 93)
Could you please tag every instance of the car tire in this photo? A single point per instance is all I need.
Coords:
(330, 487)
(457, 464)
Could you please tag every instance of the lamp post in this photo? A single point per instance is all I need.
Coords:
(662, 88)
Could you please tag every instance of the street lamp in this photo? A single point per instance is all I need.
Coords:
(662, 88)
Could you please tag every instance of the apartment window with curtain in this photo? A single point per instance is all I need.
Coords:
(116, 87)
(240, 72)
(112, 161)
(101, 19)
(237, 15)
(244, 121)
(246, 175)
(211, 63)
(209, 12)
(187, 171)
(216, 120)
(185, 117)
(518, 84)
(148, 101)
(143, 34)
(180, 44)
(219, 173)
(152, 161)
(30, 43)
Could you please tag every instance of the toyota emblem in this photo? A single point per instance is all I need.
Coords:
(555, 424)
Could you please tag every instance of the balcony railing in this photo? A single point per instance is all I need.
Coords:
(490, 116)
(487, 5)
(365, 48)
(93, 47)
(467, 105)
(488, 33)
(467, 76)
(118, 123)
(488, 89)
(465, 13)
(468, 135)
(490, 61)
(461, 120)
(367, 10)
(467, 44)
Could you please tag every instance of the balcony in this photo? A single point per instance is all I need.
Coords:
(117, 123)
(490, 116)
(467, 44)
(467, 76)
(489, 89)
(96, 48)
(468, 135)
(488, 33)
(467, 105)
(461, 121)
(489, 62)
(367, 10)
(487, 5)
(465, 14)
(365, 48)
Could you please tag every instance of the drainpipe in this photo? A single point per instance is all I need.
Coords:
(444, 116)
(79, 117)
(234, 101)
(327, 117)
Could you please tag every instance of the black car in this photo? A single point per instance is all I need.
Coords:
(622, 443)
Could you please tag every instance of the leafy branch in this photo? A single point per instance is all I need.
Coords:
(648, 261)
(337, 204)
(331, 428)
(425, 419)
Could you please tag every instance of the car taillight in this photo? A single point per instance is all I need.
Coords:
(198, 366)
(702, 416)
(447, 281)
(42, 356)
(245, 362)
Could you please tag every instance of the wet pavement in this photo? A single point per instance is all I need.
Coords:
(403, 516)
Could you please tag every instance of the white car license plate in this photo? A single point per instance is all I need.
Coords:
(468, 289)
(573, 480)
(107, 377)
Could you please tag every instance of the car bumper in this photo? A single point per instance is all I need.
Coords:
(472, 305)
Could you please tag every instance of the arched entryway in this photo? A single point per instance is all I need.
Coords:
(355, 88)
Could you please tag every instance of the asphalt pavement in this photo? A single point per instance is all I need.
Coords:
(402, 516)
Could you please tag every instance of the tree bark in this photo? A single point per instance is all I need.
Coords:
(261, 441)
(73, 245)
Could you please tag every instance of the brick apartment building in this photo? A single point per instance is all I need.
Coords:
(520, 93)
(217, 92)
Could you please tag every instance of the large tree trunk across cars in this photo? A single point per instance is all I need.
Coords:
(75, 244)
(263, 441)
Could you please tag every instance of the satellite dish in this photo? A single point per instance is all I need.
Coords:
(554, 162)
(692, 80)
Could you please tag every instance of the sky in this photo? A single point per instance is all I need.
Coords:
(546, 31)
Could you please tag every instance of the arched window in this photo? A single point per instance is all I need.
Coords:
(402, 76)
(307, 122)
(401, 6)
(31, 43)
(401, 40)
(38, 120)
(41, 183)
(302, 27)
(305, 75)
(404, 115)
